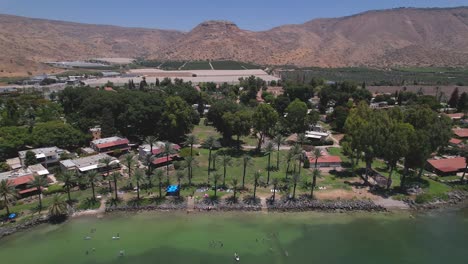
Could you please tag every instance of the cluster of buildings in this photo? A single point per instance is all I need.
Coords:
(22, 172)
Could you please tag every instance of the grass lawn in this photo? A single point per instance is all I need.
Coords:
(203, 132)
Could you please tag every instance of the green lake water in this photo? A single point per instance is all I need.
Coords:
(435, 237)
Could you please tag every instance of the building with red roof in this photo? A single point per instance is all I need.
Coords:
(455, 142)
(326, 161)
(461, 132)
(448, 166)
(455, 116)
(110, 145)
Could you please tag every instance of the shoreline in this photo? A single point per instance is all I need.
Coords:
(341, 206)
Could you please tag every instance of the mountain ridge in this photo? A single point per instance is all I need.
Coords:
(375, 38)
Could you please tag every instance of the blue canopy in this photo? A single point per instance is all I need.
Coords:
(12, 216)
(172, 189)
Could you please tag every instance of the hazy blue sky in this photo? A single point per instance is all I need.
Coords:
(186, 14)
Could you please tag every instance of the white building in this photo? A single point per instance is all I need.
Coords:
(44, 156)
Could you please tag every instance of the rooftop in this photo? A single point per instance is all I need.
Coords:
(461, 132)
(448, 165)
(90, 162)
(109, 142)
(41, 152)
(37, 169)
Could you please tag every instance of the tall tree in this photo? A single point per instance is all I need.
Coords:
(107, 163)
(226, 161)
(257, 176)
(152, 141)
(107, 123)
(190, 162)
(246, 162)
(263, 119)
(30, 158)
(139, 176)
(289, 157)
(177, 118)
(58, 207)
(296, 178)
(190, 141)
(8, 193)
(216, 178)
(129, 161)
(268, 150)
(210, 143)
(317, 155)
(278, 140)
(167, 151)
(274, 182)
(38, 182)
(315, 174)
(454, 97)
(93, 177)
(234, 183)
(159, 176)
(68, 178)
(296, 118)
(115, 177)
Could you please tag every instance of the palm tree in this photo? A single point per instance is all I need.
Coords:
(268, 149)
(7, 193)
(317, 155)
(234, 183)
(107, 161)
(257, 176)
(297, 152)
(191, 140)
(296, 178)
(190, 162)
(149, 172)
(68, 178)
(209, 143)
(214, 158)
(151, 140)
(278, 140)
(246, 161)
(179, 175)
(274, 182)
(115, 176)
(216, 178)
(39, 183)
(289, 157)
(226, 160)
(58, 207)
(139, 175)
(159, 175)
(167, 151)
(315, 174)
(129, 161)
(93, 177)
(301, 139)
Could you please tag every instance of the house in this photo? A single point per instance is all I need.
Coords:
(316, 135)
(456, 116)
(326, 161)
(163, 161)
(89, 163)
(110, 145)
(21, 178)
(448, 166)
(158, 150)
(461, 132)
(45, 156)
(455, 142)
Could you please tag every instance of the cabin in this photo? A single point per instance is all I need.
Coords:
(445, 167)
(110, 145)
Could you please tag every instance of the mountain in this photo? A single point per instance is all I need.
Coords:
(396, 37)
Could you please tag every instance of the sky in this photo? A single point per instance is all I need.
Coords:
(184, 15)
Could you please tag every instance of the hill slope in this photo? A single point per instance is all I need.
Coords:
(397, 37)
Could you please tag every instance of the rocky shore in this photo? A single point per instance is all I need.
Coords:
(455, 198)
(306, 204)
(8, 230)
(208, 204)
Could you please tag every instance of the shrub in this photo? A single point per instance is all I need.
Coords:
(54, 188)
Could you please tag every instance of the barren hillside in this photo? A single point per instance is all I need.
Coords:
(397, 37)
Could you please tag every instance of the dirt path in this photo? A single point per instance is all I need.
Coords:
(190, 204)
(264, 205)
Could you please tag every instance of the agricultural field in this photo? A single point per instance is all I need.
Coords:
(196, 65)
(232, 65)
(396, 76)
